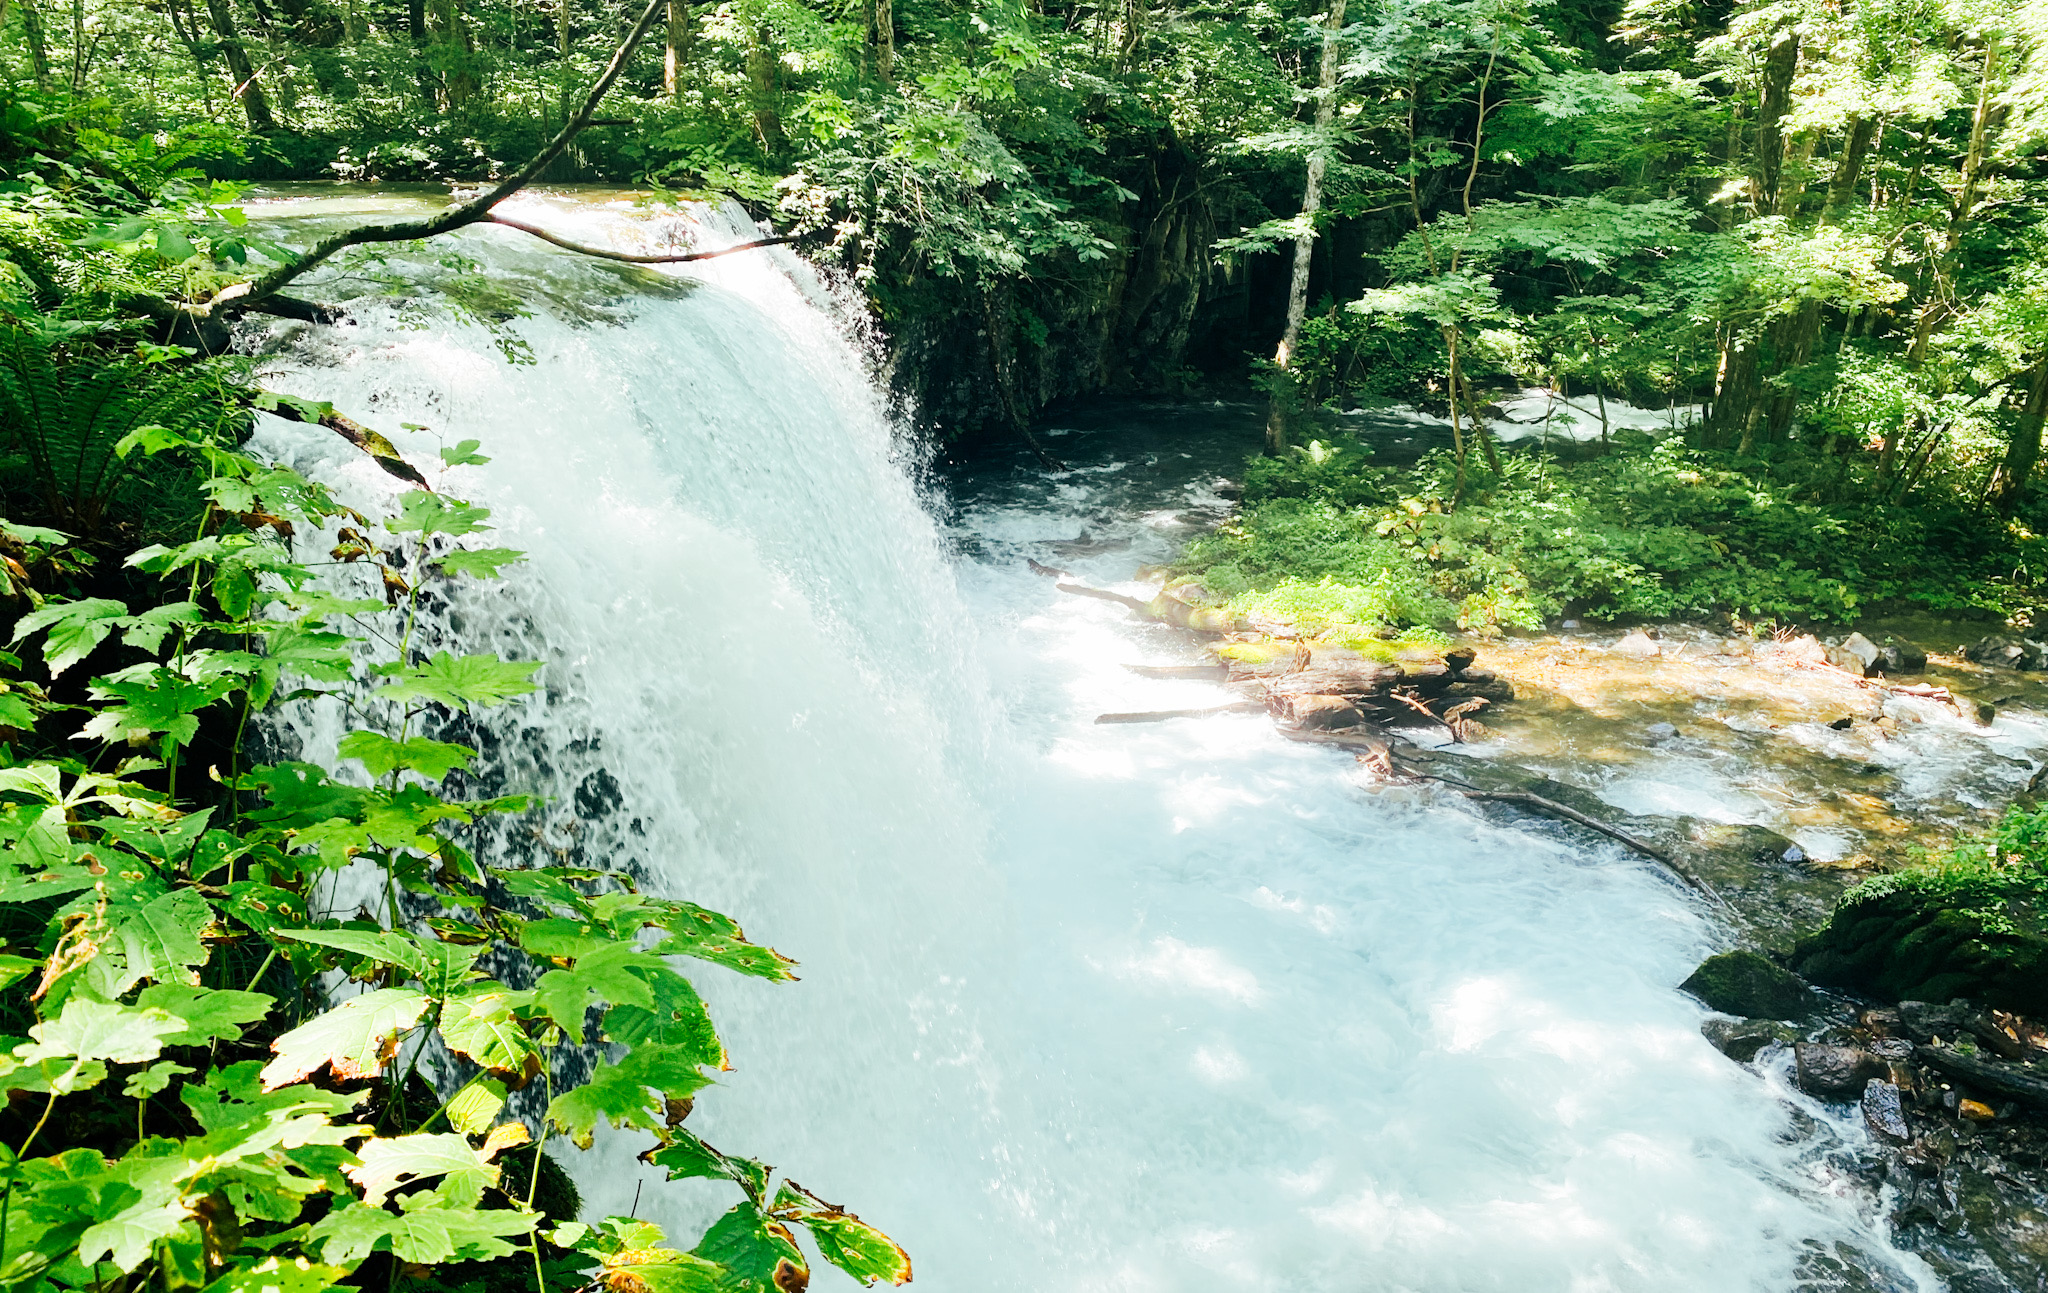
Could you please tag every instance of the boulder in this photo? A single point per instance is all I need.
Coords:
(1835, 1072)
(1900, 656)
(1460, 659)
(1659, 732)
(1923, 1021)
(1741, 1039)
(1314, 712)
(1747, 983)
(1638, 646)
(1856, 654)
(1883, 1113)
(2011, 652)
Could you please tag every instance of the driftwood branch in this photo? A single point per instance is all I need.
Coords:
(242, 296)
(370, 442)
(1162, 715)
(1103, 594)
(1555, 809)
(584, 249)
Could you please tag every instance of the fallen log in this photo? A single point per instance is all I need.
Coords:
(1103, 594)
(2013, 1081)
(1552, 808)
(1362, 679)
(1162, 715)
(1198, 672)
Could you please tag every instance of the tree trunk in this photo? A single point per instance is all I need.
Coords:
(676, 52)
(885, 41)
(246, 88)
(38, 47)
(1283, 396)
(2024, 451)
(1779, 66)
(761, 86)
(454, 51)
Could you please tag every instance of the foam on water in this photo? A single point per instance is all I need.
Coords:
(1084, 1007)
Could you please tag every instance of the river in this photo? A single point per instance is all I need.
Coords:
(1182, 1007)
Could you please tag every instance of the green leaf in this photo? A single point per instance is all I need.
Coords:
(844, 1239)
(15, 711)
(355, 1038)
(347, 1235)
(635, 1092)
(678, 1017)
(758, 1252)
(686, 1157)
(382, 756)
(75, 628)
(481, 1025)
(161, 941)
(208, 1013)
(13, 969)
(606, 974)
(173, 246)
(659, 1270)
(98, 1030)
(461, 681)
(709, 936)
(277, 1275)
(477, 1106)
(388, 1163)
(433, 1231)
(147, 1082)
(464, 454)
(422, 513)
(146, 631)
(480, 563)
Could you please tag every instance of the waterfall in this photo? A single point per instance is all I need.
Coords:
(1082, 1008)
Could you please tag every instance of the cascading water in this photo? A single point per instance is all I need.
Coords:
(1084, 1008)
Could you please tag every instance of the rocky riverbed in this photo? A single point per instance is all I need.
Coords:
(1771, 776)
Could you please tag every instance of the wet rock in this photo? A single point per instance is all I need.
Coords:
(1747, 983)
(1314, 712)
(1482, 682)
(1806, 647)
(1741, 1039)
(1883, 1113)
(1638, 646)
(1975, 1111)
(2023, 1082)
(1460, 659)
(1930, 943)
(1981, 712)
(1843, 723)
(1835, 1072)
(1923, 1021)
(1857, 654)
(1929, 1154)
(2011, 652)
(1740, 647)
(1745, 844)
(1659, 732)
(1900, 656)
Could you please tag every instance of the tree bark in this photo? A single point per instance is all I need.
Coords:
(761, 87)
(38, 46)
(450, 36)
(676, 49)
(1284, 392)
(247, 89)
(1779, 65)
(2024, 450)
(885, 41)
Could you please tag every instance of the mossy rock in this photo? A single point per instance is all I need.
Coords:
(1749, 984)
(1919, 943)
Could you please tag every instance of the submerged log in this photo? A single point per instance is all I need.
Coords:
(1317, 711)
(1162, 715)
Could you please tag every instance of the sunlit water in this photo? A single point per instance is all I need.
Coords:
(1181, 1007)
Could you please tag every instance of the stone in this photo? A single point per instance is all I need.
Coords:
(1883, 1113)
(2011, 652)
(1835, 1072)
(1740, 647)
(1660, 732)
(1924, 1021)
(1314, 712)
(1927, 1155)
(1741, 1039)
(1638, 646)
(1981, 712)
(1747, 983)
(1975, 1111)
(1806, 647)
(1900, 656)
(1857, 654)
(1460, 659)
(1842, 724)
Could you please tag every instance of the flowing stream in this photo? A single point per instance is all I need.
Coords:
(1181, 1007)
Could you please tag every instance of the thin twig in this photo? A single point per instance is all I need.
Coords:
(630, 258)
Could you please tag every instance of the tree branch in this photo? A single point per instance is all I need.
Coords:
(476, 209)
(629, 258)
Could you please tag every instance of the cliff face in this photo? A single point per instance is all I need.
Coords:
(975, 361)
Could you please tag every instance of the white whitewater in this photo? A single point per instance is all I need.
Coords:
(1084, 1008)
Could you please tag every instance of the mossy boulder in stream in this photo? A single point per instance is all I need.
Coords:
(1748, 984)
(1972, 923)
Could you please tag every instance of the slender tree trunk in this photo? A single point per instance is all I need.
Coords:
(885, 41)
(38, 46)
(246, 87)
(676, 51)
(566, 45)
(1284, 393)
(1779, 65)
(1457, 432)
(451, 38)
(2024, 450)
(761, 87)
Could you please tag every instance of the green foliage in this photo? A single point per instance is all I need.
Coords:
(142, 916)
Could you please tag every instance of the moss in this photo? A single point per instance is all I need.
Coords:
(1917, 942)
(1747, 983)
(1265, 652)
